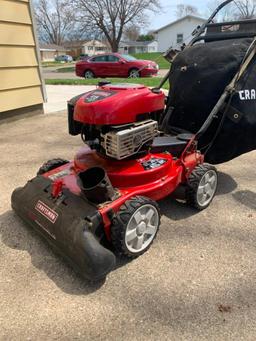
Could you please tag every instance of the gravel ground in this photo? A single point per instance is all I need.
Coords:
(197, 282)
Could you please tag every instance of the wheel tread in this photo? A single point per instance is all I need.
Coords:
(120, 222)
(193, 183)
(51, 164)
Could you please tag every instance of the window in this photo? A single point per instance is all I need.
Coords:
(90, 48)
(128, 57)
(99, 59)
(112, 59)
(99, 48)
(179, 38)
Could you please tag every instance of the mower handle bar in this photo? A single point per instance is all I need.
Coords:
(198, 32)
(202, 28)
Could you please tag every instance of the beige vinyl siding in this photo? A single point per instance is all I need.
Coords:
(21, 77)
(15, 34)
(17, 56)
(24, 97)
(20, 84)
(15, 11)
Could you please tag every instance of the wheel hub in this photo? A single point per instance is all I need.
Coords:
(207, 188)
(141, 229)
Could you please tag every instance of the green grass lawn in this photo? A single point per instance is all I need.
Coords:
(150, 82)
(154, 56)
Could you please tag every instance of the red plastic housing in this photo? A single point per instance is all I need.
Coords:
(129, 176)
(117, 104)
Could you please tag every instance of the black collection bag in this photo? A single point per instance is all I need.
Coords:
(198, 78)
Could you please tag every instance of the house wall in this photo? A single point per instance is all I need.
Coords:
(92, 50)
(167, 37)
(47, 56)
(123, 50)
(75, 52)
(152, 47)
(21, 83)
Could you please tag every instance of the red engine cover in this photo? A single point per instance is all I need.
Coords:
(117, 104)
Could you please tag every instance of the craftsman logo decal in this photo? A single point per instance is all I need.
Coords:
(247, 95)
(98, 95)
(46, 211)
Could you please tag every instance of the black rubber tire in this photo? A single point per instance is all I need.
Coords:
(120, 222)
(93, 74)
(134, 69)
(193, 184)
(50, 165)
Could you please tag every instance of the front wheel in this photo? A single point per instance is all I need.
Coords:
(50, 165)
(201, 187)
(134, 73)
(89, 74)
(135, 227)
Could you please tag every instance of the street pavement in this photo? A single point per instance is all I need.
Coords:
(197, 282)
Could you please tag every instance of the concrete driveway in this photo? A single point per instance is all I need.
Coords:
(58, 95)
(197, 282)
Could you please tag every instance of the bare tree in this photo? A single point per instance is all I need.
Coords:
(246, 9)
(132, 32)
(183, 10)
(55, 20)
(113, 16)
(239, 9)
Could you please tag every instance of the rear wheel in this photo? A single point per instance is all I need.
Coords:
(202, 186)
(50, 165)
(135, 227)
(134, 73)
(89, 74)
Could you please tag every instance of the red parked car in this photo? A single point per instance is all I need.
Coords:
(115, 65)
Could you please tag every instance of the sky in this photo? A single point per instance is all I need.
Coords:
(169, 11)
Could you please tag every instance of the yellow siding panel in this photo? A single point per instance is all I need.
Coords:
(20, 83)
(19, 78)
(20, 98)
(14, 34)
(15, 11)
(12, 56)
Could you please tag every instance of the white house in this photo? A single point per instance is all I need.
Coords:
(177, 32)
(130, 47)
(48, 52)
(94, 47)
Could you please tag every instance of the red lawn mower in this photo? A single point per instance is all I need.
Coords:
(111, 188)
(104, 202)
